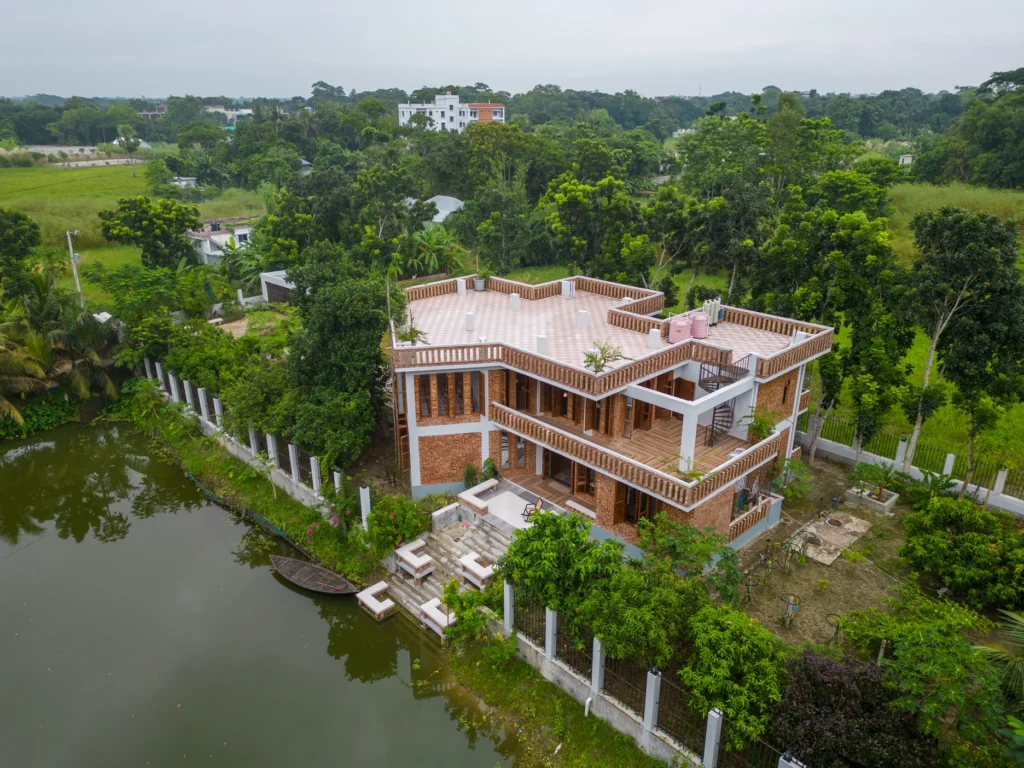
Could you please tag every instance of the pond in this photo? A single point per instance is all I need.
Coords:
(141, 625)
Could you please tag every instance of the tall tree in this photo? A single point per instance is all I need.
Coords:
(128, 140)
(157, 228)
(18, 236)
(968, 261)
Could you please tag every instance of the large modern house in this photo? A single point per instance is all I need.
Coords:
(498, 371)
(448, 114)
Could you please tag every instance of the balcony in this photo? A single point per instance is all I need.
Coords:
(805, 401)
(658, 449)
(746, 521)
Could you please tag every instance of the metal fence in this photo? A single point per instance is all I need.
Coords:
(284, 457)
(678, 718)
(575, 650)
(802, 421)
(838, 431)
(626, 680)
(1014, 483)
(528, 617)
(884, 444)
(305, 471)
(984, 471)
(753, 754)
(929, 457)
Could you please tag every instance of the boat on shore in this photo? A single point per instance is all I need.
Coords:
(312, 577)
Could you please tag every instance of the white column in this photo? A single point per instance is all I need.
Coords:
(550, 632)
(997, 489)
(175, 392)
(160, 375)
(254, 444)
(364, 505)
(293, 456)
(337, 482)
(218, 408)
(149, 368)
(414, 439)
(947, 468)
(314, 467)
(188, 394)
(509, 608)
(272, 451)
(712, 738)
(204, 405)
(901, 450)
(597, 668)
(651, 697)
(688, 442)
(789, 762)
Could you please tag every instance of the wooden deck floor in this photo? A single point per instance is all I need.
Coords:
(658, 447)
(551, 490)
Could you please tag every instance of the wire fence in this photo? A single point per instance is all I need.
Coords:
(884, 444)
(677, 716)
(839, 431)
(802, 421)
(576, 650)
(1014, 485)
(528, 617)
(930, 457)
(753, 754)
(626, 680)
(305, 471)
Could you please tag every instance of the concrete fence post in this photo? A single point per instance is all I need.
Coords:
(597, 668)
(188, 394)
(901, 452)
(314, 471)
(712, 738)
(204, 405)
(254, 444)
(509, 607)
(947, 468)
(790, 762)
(337, 482)
(160, 375)
(149, 368)
(651, 697)
(550, 633)
(364, 505)
(218, 408)
(997, 489)
(175, 392)
(272, 451)
(293, 458)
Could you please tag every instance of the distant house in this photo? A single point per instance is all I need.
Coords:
(184, 182)
(275, 287)
(906, 159)
(305, 167)
(682, 132)
(446, 206)
(447, 113)
(142, 144)
(232, 115)
(210, 242)
(152, 114)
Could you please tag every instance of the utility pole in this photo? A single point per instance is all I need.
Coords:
(74, 268)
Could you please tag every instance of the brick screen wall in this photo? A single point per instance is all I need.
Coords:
(443, 458)
(769, 395)
(530, 465)
(452, 417)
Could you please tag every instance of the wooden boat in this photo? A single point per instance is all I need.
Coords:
(312, 577)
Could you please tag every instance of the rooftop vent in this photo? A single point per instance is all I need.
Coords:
(542, 344)
(582, 316)
(470, 321)
(460, 286)
(513, 302)
(568, 289)
(654, 338)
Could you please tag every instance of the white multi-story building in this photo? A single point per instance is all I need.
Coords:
(448, 114)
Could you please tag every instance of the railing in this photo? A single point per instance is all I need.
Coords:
(783, 326)
(646, 306)
(626, 680)
(528, 617)
(753, 753)
(749, 519)
(678, 718)
(787, 358)
(623, 317)
(672, 489)
(430, 290)
(805, 401)
(614, 290)
(579, 656)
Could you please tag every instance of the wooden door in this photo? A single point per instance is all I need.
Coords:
(619, 510)
(643, 414)
(685, 390)
(579, 478)
(545, 462)
(545, 397)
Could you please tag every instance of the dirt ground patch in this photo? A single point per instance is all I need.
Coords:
(853, 581)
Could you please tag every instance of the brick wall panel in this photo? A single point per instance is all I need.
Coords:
(443, 458)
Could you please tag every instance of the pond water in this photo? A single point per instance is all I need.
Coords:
(140, 625)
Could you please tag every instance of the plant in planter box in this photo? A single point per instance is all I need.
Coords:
(601, 356)
(490, 471)
(470, 476)
(872, 479)
(760, 424)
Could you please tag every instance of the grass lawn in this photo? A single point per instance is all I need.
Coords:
(910, 199)
(537, 275)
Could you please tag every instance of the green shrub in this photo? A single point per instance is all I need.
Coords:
(4, 162)
(20, 160)
(490, 471)
(40, 414)
(978, 553)
(394, 520)
(470, 477)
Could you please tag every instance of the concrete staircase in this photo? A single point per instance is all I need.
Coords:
(446, 547)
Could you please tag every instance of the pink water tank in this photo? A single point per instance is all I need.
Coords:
(678, 329)
(699, 325)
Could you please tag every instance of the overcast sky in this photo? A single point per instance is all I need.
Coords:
(657, 47)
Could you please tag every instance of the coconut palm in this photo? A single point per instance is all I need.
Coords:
(435, 249)
(1007, 656)
(19, 375)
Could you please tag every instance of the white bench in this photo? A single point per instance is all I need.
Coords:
(469, 496)
(414, 564)
(432, 617)
(474, 572)
(581, 509)
(377, 608)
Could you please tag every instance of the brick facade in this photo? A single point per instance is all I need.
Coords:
(770, 395)
(715, 513)
(529, 465)
(443, 458)
(452, 417)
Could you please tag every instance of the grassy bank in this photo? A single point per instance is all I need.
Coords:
(240, 484)
(543, 714)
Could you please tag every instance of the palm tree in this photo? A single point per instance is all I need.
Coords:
(309, 126)
(1007, 656)
(19, 375)
(435, 248)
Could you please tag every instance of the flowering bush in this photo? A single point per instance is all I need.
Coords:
(394, 520)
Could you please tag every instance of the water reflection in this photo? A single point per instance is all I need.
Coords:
(86, 481)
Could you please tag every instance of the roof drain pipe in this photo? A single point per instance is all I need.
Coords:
(586, 706)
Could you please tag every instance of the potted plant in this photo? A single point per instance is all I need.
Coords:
(760, 424)
(482, 276)
(601, 356)
(870, 487)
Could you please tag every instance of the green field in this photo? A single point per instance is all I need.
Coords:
(908, 200)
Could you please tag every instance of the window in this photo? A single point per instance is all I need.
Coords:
(474, 390)
(442, 113)
(442, 394)
(451, 119)
(591, 481)
(472, 113)
(423, 382)
(504, 450)
(460, 407)
(785, 390)
(243, 238)
(520, 452)
(627, 428)
(400, 391)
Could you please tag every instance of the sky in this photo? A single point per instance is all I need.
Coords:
(656, 47)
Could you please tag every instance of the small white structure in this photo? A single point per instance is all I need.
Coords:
(210, 243)
(379, 609)
(432, 617)
(275, 287)
(471, 570)
(906, 159)
(232, 115)
(142, 144)
(446, 206)
(184, 182)
(416, 565)
(448, 114)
